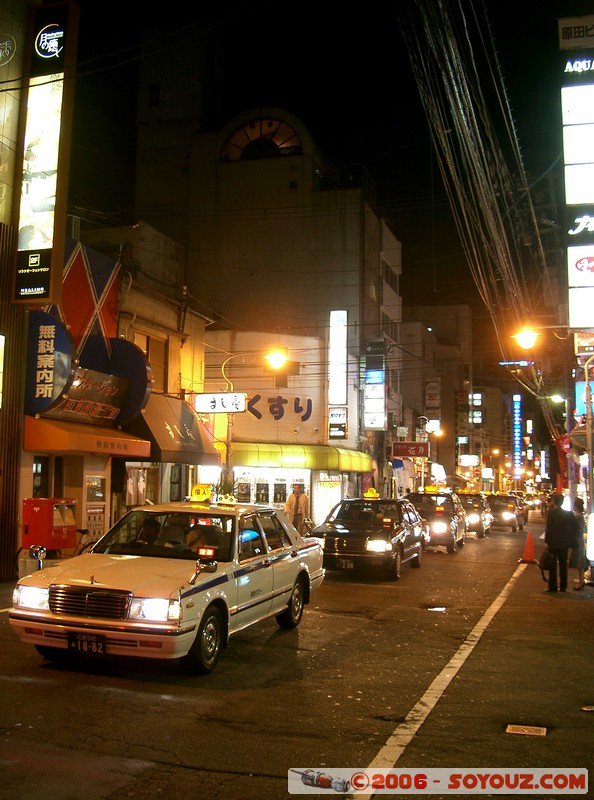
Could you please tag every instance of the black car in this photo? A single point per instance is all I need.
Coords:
(506, 511)
(478, 513)
(372, 532)
(445, 514)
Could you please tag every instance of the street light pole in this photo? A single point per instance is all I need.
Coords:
(227, 475)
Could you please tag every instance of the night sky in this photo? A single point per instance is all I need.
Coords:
(347, 76)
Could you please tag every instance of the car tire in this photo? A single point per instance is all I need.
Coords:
(481, 532)
(416, 561)
(451, 546)
(395, 566)
(291, 616)
(204, 653)
(514, 528)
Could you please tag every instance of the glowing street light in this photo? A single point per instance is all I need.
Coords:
(526, 338)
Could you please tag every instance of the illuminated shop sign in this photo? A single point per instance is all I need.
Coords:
(374, 397)
(577, 116)
(517, 435)
(45, 156)
(220, 403)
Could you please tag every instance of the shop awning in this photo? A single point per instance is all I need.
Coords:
(62, 436)
(302, 456)
(175, 433)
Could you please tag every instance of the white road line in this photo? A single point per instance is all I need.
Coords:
(401, 737)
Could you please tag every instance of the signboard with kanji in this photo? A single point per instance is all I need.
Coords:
(220, 403)
(410, 449)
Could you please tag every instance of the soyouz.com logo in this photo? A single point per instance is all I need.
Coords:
(431, 781)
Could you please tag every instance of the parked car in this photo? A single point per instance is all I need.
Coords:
(373, 532)
(506, 511)
(171, 581)
(445, 514)
(478, 513)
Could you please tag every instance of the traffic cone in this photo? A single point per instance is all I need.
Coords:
(528, 556)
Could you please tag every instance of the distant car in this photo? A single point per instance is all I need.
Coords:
(171, 581)
(381, 534)
(478, 514)
(523, 505)
(506, 511)
(445, 514)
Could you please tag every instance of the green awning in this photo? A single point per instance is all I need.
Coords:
(302, 456)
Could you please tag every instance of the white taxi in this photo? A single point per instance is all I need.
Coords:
(170, 581)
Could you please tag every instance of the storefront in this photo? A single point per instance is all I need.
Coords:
(265, 473)
(77, 461)
(179, 447)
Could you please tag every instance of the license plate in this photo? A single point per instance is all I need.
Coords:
(345, 563)
(87, 644)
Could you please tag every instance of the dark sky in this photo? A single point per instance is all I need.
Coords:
(346, 74)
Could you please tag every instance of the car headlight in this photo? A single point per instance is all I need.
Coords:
(507, 515)
(378, 546)
(155, 609)
(31, 597)
(440, 527)
(473, 519)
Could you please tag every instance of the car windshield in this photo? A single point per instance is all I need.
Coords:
(170, 535)
(433, 503)
(471, 502)
(364, 510)
(502, 500)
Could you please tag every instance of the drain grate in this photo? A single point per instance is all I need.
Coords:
(526, 730)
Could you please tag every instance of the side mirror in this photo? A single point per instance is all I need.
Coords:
(203, 565)
(38, 552)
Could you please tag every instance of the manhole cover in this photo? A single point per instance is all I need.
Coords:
(526, 730)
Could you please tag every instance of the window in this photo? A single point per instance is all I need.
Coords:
(250, 539)
(276, 535)
(155, 349)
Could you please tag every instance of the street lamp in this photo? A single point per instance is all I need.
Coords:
(275, 360)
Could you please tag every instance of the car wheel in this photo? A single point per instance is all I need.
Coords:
(514, 528)
(461, 541)
(204, 654)
(451, 546)
(481, 532)
(417, 560)
(291, 616)
(395, 566)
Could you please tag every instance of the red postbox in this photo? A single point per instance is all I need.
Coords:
(50, 522)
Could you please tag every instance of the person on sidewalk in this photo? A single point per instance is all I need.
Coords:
(579, 548)
(297, 507)
(560, 534)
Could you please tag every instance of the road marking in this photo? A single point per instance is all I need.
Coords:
(400, 738)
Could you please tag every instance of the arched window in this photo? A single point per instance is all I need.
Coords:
(265, 137)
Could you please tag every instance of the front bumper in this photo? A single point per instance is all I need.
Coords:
(121, 638)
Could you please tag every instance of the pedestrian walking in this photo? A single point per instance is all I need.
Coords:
(297, 507)
(578, 552)
(560, 534)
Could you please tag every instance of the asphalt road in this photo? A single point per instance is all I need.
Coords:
(421, 674)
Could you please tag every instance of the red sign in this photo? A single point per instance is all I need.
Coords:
(410, 449)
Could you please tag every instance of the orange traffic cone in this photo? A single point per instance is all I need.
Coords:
(528, 556)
